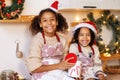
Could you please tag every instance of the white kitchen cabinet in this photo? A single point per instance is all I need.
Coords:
(84, 4)
(33, 7)
(110, 4)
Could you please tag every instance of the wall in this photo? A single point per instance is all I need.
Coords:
(10, 32)
(32, 7)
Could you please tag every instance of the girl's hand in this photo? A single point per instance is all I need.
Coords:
(64, 65)
(101, 77)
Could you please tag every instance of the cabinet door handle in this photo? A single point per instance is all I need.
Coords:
(89, 7)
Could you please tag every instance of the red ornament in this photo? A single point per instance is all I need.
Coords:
(13, 13)
(71, 55)
(8, 15)
(19, 2)
(3, 5)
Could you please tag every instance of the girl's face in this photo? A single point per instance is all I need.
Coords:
(84, 36)
(48, 23)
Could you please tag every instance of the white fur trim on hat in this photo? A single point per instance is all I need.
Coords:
(53, 9)
(85, 24)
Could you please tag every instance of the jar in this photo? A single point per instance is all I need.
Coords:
(7, 75)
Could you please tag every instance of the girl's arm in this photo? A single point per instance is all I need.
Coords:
(97, 61)
(34, 57)
(98, 64)
(64, 65)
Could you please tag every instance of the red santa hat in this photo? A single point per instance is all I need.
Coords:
(54, 6)
(89, 25)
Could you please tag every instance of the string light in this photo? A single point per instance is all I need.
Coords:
(101, 42)
(107, 54)
(102, 15)
(77, 18)
(116, 16)
(104, 22)
(68, 29)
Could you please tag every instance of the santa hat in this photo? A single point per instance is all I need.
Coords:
(54, 6)
(89, 25)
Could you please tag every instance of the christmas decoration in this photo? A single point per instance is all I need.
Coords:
(13, 11)
(54, 6)
(111, 22)
(72, 56)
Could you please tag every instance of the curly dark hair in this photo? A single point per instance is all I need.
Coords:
(35, 27)
(75, 37)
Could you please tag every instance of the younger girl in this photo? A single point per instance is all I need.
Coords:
(48, 47)
(82, 45)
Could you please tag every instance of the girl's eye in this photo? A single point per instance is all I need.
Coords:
(80, 34)
(84, 35)
(43, 20)
(88, 34)
(53, 19)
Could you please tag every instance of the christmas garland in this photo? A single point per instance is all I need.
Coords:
(111, 22)
(12, 11)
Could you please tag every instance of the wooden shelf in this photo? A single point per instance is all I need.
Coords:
(22, 18)
(112, 57)
(105, 59)
(87, 10)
